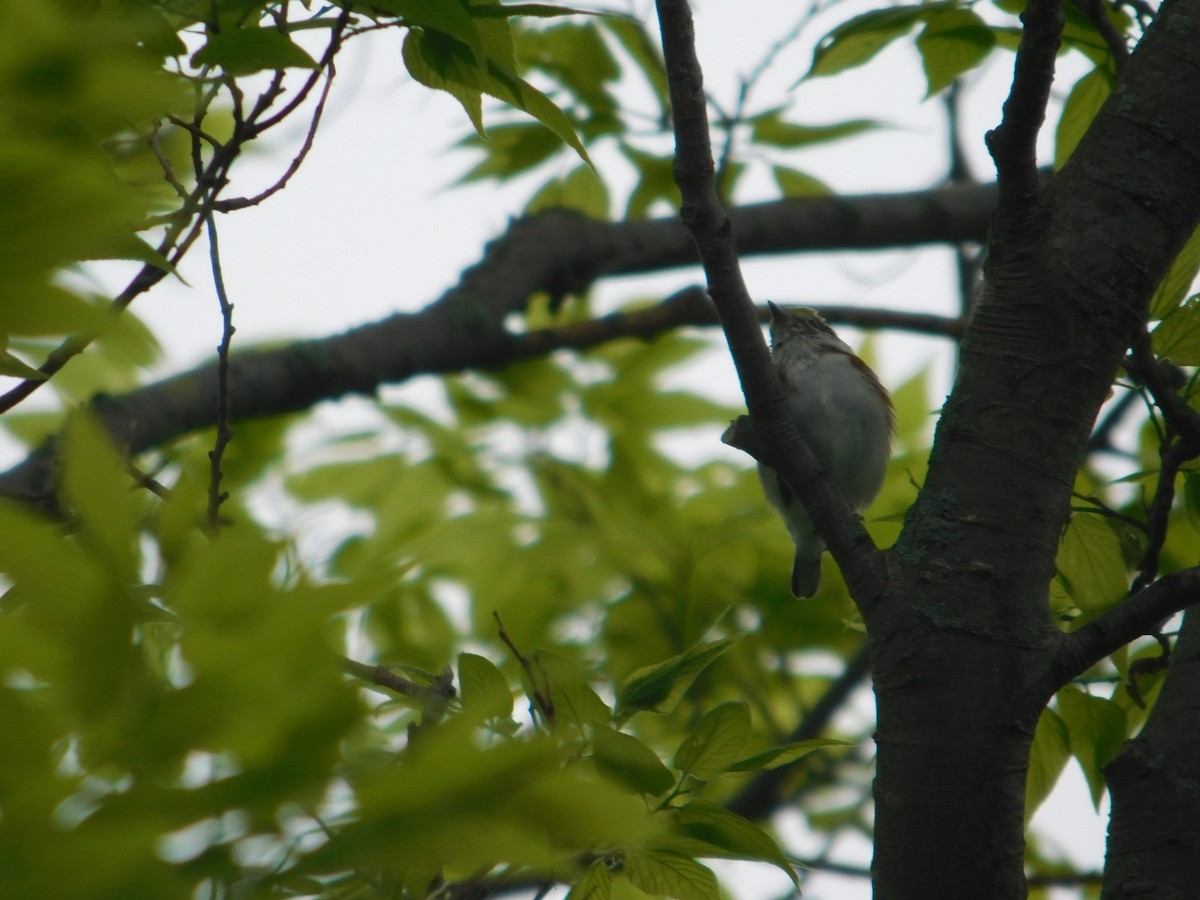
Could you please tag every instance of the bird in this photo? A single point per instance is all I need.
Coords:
(844, 414)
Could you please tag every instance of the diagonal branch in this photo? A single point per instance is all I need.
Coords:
(702, 212)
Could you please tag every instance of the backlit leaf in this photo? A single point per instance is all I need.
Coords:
(243, 51)
(716, 742)
(629, 762)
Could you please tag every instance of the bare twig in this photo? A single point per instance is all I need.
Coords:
(442, 689)
(297, 161)
(542, 699)
(224, 433)
(1173, 456)
(1117, 46)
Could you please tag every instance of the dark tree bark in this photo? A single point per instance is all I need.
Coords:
(962, 646)
(1154, 828)
(963, 649)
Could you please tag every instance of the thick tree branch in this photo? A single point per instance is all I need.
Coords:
(1137, 616)
(554, 252)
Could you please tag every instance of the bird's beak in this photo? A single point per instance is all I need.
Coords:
(778, 313)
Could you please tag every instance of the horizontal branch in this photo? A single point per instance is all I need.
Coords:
(1137, 616)
(554, 252)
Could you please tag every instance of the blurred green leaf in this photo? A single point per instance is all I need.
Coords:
(596, 884)
(580, 190)
(485, 691)
(953, 41)
(443, 63)
(645, 51)
(770, 128)
(15, 368)
(721, 833)
(1178, 282)
(1047, 758)
(99, 491)
(658, 688)
(629, 762)
(656, 181)
(856, 42)
(716, 742)
(1096, 731)
(794, 183)
(573, 697)
(1177, 337)
(784, 754)
(453, 18)
(662, 872)
(244, 51)
(1090, 563)
(1082, 104)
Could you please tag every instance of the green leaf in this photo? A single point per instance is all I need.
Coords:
(1096, 729)
(100, 493)
(485, 690)
(511, 150)
(629, 762)
(953, 41)
(857, 41)
(1178, 282)
(669, 874)
(15, 368)
(446, 64)
(243, 51)
(794, 183)
(450, 17)
(570, 692)
(536, 10)
(646, 53)
(1047, 758)
(726, 834)
(784, 754)
(769, 128)
(581, 190)
(596, 884)
(48, 309)
(716, 742)
(1177, 337)
(1090, 563)
(658, 688)
(1087, 96)
(656, 181)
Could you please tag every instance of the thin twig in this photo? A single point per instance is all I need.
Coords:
(441, 689)
(1095, 12)
(1144, 366)
(543, 700)
(297, 161)
(1173, 456)
(224, 434)
(1099, 507)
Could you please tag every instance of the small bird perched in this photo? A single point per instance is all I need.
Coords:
(843, 413)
